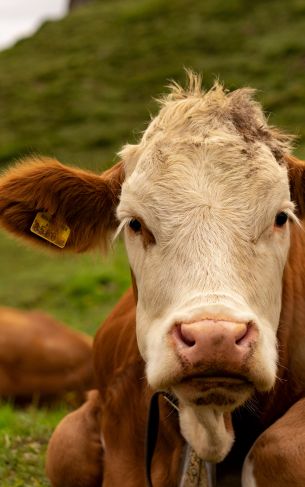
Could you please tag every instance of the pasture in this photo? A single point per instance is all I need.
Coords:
(78, 90)
(66, 287)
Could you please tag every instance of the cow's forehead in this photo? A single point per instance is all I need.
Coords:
(196, 117)
(222, 168)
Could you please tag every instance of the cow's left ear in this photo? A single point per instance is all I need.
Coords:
(56, 206)
(296, 174)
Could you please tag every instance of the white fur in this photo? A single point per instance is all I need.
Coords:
(247, 478)
(210, 197)
(205, 430)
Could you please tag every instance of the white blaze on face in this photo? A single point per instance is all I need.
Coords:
(208, 191)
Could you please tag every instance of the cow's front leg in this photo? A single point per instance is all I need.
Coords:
(277, 458)
(75, 454)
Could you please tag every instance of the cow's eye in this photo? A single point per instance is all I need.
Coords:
(280, 219)
(135, 225)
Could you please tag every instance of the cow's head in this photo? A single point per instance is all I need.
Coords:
(205, 208)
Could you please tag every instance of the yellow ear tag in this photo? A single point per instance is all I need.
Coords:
(44, 228)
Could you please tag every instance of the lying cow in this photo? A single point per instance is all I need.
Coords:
(209, 201)
(41, 358)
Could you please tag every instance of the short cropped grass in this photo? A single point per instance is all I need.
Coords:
(23, 441)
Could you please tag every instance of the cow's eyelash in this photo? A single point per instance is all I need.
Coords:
(292, 216)
(121, 227)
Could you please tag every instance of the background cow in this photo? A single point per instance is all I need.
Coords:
(208, 216)
(42, 358)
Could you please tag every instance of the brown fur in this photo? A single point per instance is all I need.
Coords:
(278, 454)
(41, 357)
(124, 391)
(76, 441)
(81, 199)
(296, 170)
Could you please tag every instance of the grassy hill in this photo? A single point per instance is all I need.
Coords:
(82, 87)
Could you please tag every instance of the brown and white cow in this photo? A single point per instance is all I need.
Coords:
(209, 201)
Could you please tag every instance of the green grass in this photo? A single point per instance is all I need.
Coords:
(77, 289)
(82, 87)
(23, 442)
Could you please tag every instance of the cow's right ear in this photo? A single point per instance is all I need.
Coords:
(296, 174)
(62, 197)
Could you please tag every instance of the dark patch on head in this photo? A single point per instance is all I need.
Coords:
(251, 172)
(246, 125)
(249, 120)
(243, 122)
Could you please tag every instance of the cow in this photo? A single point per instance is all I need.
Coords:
(211, 203)
(42, 359)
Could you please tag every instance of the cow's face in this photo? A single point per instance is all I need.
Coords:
(205, 208)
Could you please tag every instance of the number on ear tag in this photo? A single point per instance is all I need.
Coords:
(46, 229)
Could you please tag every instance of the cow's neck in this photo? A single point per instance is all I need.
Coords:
(290, 384)
(292, 322)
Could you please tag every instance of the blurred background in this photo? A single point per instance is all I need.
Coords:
(78, 80)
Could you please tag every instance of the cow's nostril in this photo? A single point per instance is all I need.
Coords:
(246, 336)
(240, 331)
(185, 336)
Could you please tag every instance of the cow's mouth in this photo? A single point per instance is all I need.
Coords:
(219, 389)
(221, 379)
